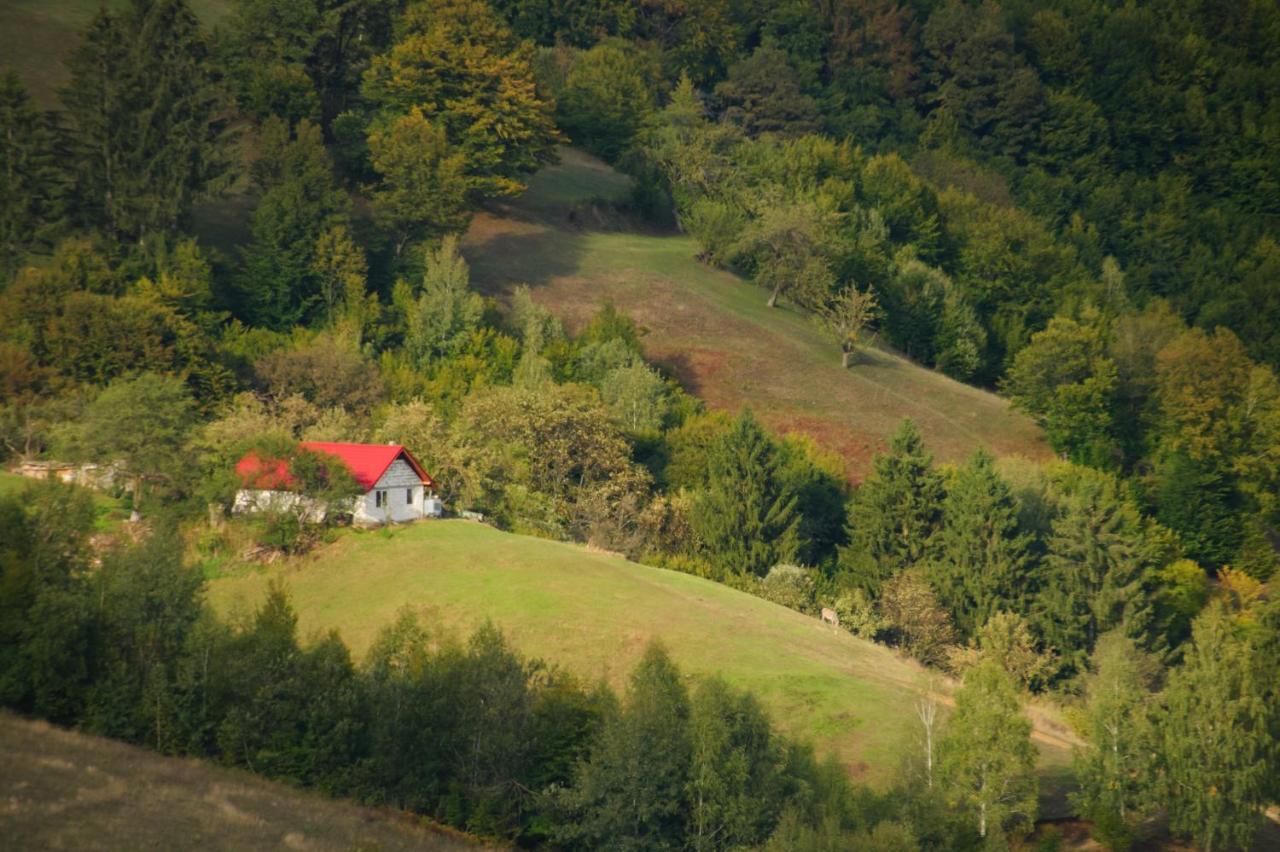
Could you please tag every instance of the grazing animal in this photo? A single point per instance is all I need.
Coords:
(829, 617)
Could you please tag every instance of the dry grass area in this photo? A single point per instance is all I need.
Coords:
(714, 331)
(63, 790)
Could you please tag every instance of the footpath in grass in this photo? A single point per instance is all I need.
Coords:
(715, 332)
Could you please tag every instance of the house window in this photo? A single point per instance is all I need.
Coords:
(379, 499)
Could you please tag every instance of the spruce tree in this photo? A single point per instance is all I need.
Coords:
(33, 183)
(985, 758)
(746, 519)
(147, 117)
(630, 795)
(1112, 769)
(896, 511)
(280, 284)
(1215, 743)
(982, 560)
(1092, 578)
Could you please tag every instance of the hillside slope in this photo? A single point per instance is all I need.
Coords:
(64, 790)
(593, 613)
(714, 331)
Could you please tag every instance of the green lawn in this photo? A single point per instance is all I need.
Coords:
(716, 333)
(593, 613)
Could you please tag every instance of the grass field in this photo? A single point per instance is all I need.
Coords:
(593, 613)
(36, 36)
(715, 332)
(63, 790)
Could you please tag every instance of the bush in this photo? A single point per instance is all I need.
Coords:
(791, 586)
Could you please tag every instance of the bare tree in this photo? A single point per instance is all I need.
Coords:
(845, 317)
(927, 713)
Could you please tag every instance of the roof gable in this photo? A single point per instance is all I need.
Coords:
(367, 463)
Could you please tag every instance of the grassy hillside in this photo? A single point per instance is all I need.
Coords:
(64, 790)
(36, 36)
(593, 613)
(716, 333)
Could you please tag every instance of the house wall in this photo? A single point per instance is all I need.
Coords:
(404, 497)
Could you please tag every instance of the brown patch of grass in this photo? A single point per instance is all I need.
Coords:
(64, 790)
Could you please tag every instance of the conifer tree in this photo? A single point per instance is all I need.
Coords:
(280, 284)
(746, 519)
(1215, 744)
(146, 112)
(896, 511)
(631, 795)
(982, 559)
(33, 183)
(1112, 769)
(1092, 579)
(986, 758)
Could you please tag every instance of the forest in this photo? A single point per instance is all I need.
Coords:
(1075, 204)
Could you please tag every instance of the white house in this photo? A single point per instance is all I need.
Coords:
(395, 486)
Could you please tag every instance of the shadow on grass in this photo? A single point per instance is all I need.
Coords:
(501, 257)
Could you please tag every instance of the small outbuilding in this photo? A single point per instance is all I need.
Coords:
(395, 487)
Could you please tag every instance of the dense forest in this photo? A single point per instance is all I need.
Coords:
(1074, 203)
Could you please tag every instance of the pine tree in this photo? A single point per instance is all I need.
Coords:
(631, 794)
(146, 113)
(896, 511)
(1092, 578)
(279, 283)
(986, 760)
(746, 520)
(982, 559)
(33, 182)
(1215, 744)
(1112, 769)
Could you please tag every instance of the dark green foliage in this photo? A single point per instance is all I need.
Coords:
(147, 119)
(632, 793)
(33, 180)
(896, 511)
(1095, 575)
(1201, 504)
(745, 517)
(982, 563)
(279, 286)
(762, 95)
(1214, 743)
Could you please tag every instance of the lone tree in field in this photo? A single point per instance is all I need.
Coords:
(846, 317)
(986, 758)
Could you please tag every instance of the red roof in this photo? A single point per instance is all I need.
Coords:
(367, 462)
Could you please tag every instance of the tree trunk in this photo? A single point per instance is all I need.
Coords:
(134, 514)
(773, 297)
(844, 359)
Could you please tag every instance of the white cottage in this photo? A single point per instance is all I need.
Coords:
(395, 486)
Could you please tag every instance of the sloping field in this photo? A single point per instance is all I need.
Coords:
(63, 790)
(36, 37)
(593, 613)
(714, 331)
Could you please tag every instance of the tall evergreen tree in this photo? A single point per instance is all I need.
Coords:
(1112, 768)
(982, 561)
(631, 794)
(745, 517)
(147, 118)
(896, 511)
(1092, 578)
(279, 284)
(33, 182)
(986, 758)
(1215, 744)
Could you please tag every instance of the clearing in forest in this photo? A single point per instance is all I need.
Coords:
(714, 331)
